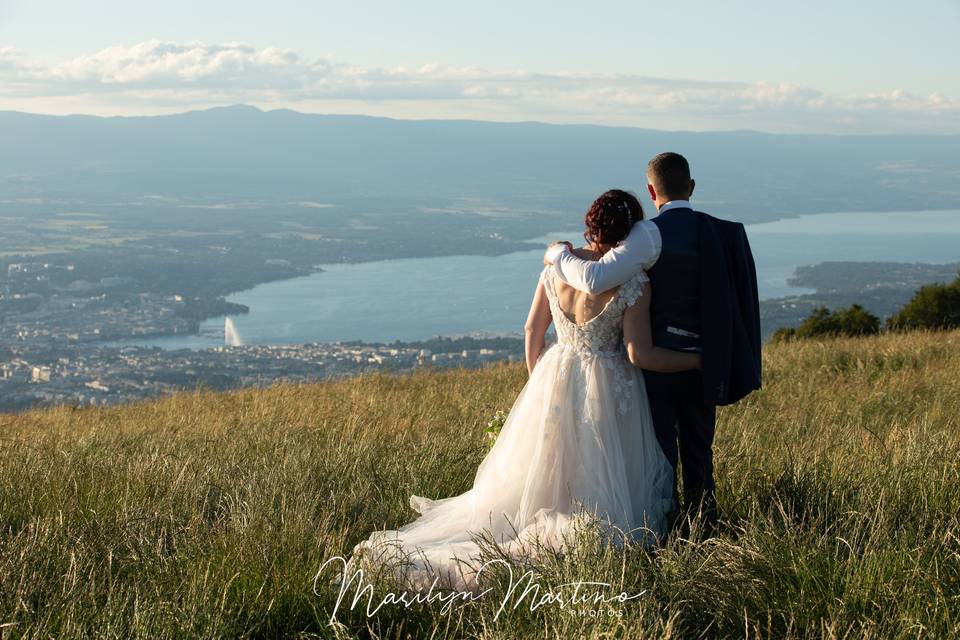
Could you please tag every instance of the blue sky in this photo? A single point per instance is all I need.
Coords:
(780, 66)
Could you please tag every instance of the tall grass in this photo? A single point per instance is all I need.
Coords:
(208, 515)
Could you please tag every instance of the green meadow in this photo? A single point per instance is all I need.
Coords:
(209, 514)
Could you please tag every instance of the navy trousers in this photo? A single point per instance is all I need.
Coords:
(685, 426)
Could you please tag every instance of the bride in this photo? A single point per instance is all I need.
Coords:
(578, 443)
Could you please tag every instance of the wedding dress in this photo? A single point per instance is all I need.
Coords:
(578, 443)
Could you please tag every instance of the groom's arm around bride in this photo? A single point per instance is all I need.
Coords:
(704, 277)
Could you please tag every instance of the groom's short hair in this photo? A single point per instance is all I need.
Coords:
(669, 173)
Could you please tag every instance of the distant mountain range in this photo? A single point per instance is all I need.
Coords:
(243, 152)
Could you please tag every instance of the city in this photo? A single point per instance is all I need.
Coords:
(110, 375)
(73, 341)
(55, 342)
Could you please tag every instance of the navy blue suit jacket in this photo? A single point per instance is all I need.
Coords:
(730, 312)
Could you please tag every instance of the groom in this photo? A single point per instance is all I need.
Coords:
(704, 299)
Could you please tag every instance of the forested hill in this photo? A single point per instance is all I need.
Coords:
(242, 151)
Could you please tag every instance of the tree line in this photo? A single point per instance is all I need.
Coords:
(934, 307)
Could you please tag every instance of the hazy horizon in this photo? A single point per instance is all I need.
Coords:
(820, 67)
(242, 105)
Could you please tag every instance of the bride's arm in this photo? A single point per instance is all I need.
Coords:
(535, 329)
(637, 336)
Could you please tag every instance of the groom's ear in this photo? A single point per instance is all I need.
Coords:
(693, 184)
(653, 192)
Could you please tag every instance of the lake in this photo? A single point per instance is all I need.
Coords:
(417, 298)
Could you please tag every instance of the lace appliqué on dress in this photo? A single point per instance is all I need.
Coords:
(601, 337)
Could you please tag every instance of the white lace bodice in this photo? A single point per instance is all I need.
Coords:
(604, 332)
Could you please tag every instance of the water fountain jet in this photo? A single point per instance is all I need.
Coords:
(231, 337)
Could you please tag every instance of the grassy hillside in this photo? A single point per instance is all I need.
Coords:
(209, 514)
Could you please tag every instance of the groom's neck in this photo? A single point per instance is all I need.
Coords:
(659, 202)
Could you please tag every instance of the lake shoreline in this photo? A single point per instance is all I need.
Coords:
(352, 300)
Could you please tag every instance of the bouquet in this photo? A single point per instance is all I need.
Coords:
(494, 426)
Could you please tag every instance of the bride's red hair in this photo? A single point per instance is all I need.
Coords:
(610, 217)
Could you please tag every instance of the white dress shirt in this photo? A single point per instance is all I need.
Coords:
(640, 250)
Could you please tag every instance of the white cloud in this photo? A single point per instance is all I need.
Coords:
(160, 76)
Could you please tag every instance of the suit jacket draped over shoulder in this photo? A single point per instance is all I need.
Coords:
(730, 312)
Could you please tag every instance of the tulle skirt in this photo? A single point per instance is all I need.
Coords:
(578, 446)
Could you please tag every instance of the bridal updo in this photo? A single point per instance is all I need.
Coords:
(610, 217)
